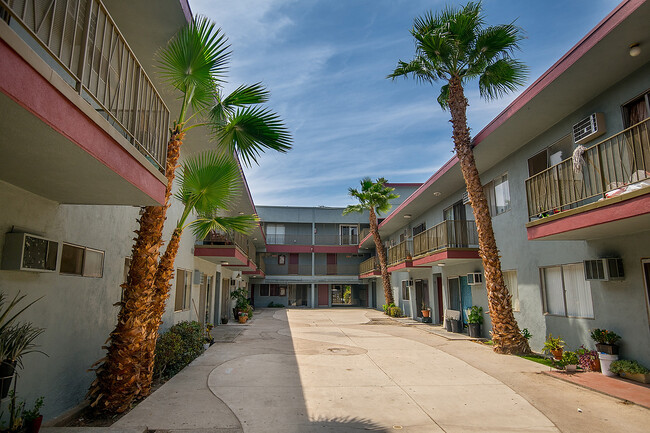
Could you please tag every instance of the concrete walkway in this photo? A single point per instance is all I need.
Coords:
(338, 370)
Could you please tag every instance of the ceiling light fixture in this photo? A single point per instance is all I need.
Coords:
(437, 193)
(407, 216)
(635, 50)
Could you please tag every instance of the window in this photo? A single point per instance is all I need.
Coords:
(554, 154)
(275, 233)
(497, 194)
(183, 290)
(277, 290)
(78, 260)
(566, 293)
(282, 259)
(636, 110)
(264, 290)
(510, 279)
(349, 234)
(405, 291)
(419, 228)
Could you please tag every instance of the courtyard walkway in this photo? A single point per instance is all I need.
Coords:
(344, 370)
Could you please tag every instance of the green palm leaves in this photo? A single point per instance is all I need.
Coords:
(373, 195)
(209, 185)
(455, 43)
(194, 63)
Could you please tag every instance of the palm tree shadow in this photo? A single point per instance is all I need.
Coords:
(342, 424)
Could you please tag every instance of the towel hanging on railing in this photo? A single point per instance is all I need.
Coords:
(578, 158)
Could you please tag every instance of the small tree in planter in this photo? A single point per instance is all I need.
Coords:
(606, 341)
(475, 320)
(570, 361)
(554, 346)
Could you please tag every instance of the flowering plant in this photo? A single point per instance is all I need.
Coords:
(603, 336)
(586, 358)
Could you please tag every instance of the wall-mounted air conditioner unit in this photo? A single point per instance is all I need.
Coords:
(27, 252)
(589, 128)
(474, 278)
(604, 269)
(466, 198)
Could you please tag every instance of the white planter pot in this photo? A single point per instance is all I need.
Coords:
(605, 361)
(571, 368)
(206, 346)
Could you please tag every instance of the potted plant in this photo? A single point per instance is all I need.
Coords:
(605, 341)
(631, 370)
(32, 419)
(474, 321)
(224, 320)
(554, 346)
(425, 311)
(243, 317)
(588, 359)
(570, 361)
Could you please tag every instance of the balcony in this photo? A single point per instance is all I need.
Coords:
(607, 195)
(78, 106)
(305, 243)
(369, 268)
(231, 250)
(400, 254)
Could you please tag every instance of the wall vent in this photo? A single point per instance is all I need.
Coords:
(604, 269)
(27, 252)
(466, 198)
(474, 278)
(589, 128)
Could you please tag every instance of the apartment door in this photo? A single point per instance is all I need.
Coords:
(202, 301)
(225, 298)
(453, 298)
(323, 295)
(217, 290)
(331, 264)
(439, 290)
(293, 263)
(465, 297)
(208, 300)
(646, 275)
(421, 295)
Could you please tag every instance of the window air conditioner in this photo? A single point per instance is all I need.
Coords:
(604, 269)
(589, 128)
(474, 278)
(27, 252)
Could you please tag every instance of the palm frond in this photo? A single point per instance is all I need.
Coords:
(208, 181)
(252, 130)
(373, 195)
(501, 77)
(194, 61)
(443, 97)
(247, 95)
(203, 225)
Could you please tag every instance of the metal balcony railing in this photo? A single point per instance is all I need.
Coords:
(370, 265)
(336, 239)
(288, 239)
(610, 166)
(447, 234)
(241, 241)
(82, 44)
(364, 232)
(336, 269)
(399, 252)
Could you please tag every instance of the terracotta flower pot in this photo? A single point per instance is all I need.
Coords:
(243, 319)
(426, 313)
(557, 354)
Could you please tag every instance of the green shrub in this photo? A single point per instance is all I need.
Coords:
(569, 358)
(395, 311)
(627, 366)
(274, 305)
(475, 315)
(177, 347)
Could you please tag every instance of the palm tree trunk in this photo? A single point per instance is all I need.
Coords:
(505, 332)
(119, 374)
(161, 291)
(381, 253)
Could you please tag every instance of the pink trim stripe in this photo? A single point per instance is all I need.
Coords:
(29, 89)
(615, 212)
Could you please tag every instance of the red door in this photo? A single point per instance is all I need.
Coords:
(323, 295)
(293, 263)
(331, 264)
(439, 284)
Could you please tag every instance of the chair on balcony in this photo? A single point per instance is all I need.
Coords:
(215, 238)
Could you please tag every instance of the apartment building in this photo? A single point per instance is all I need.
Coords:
(85, 127)
(574, 243)
(312, 256)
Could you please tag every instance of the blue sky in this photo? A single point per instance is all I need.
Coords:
(325, 63)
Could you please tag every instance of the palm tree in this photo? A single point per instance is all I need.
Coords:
(209, 184)
(454, 46)
(374, 197)
(193, 63)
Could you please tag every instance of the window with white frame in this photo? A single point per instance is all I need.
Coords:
(275, 233)
(566, 292)
(497, 194)
(510, 279)
(83, 261)
(183, 290)
(349, 234)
